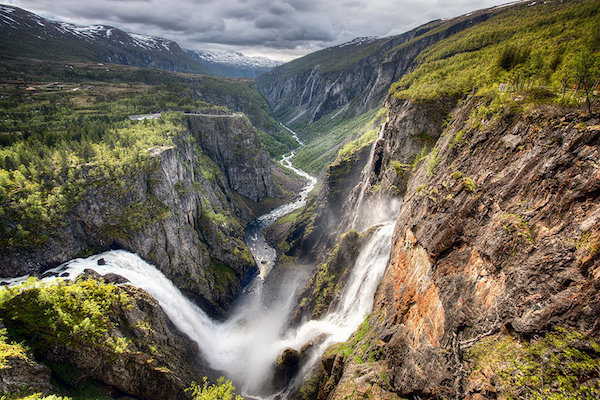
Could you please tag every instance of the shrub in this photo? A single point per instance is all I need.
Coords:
(222, 390)
(74, 314)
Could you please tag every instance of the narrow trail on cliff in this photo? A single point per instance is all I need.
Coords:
(245, 347)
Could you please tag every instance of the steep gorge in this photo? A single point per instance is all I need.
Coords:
(354, 77)
(495, 214)
(186, 213)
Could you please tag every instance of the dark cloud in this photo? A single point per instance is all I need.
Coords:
(279, 28)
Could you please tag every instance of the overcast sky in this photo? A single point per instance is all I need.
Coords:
(279, 29)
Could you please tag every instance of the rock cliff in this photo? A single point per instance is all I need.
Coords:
(353, 77)
(498, 234)
(185, 213)
(236, 149)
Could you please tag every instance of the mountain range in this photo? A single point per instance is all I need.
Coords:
(25, 34)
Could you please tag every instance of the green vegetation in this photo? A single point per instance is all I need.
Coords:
(241, 95)
(433, 161)
(362, 345)
(420, 157)
(222, 390)
(551, 46)
(458, 139)
(515, 224)
(327, 137)
(85, 317)
(73, 314)
(176, 91)
(36, 396)
(327, 282)
(563, 364)
(44, 172)
(469, 184)
(68, 137)
(589, 242)
(11, 350)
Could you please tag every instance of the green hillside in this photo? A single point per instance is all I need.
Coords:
(525, 46)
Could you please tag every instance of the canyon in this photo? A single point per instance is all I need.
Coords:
(450, 251)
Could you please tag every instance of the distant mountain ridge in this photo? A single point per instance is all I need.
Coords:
(234, 64)
(25, 34)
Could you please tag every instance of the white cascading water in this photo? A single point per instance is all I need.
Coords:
(364, 182)
(245, 346)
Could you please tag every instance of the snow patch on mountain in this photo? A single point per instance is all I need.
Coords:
(235, 59)
(360, 40)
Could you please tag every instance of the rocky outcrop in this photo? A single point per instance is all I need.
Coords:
(133, 348)
(185, 213)
(286, 367)
(499, 232)
(236, 149)
(323, 290)
(318, 227)
(19, 372)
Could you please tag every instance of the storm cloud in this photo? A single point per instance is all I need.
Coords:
(281, 29)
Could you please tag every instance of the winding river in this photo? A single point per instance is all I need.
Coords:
(255, 239)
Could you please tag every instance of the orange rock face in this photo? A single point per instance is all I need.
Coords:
(498, 232)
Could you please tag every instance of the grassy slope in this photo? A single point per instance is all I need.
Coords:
(334, 134)
(546, 34)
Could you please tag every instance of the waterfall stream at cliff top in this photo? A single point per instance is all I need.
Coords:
(245, 346)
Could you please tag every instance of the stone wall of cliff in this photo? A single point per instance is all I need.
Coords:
(498, 234)
(232, 143)
(309, 90)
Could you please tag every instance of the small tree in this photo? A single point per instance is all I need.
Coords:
(564, 76)
(585, 68)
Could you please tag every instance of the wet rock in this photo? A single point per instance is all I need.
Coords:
(49, 274)
(90, 274)
(101, 261)
(286, 367)
(114, 278)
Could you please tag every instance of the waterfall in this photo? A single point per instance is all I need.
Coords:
(365, 177)
(245, 346)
